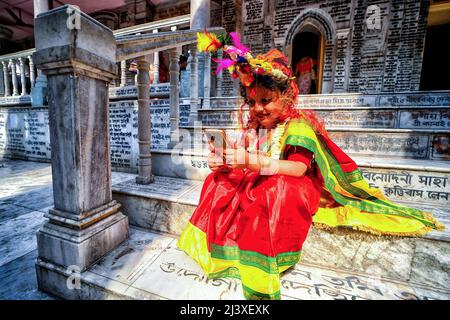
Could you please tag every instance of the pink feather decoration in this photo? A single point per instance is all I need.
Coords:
(223, 64)
(238, 44)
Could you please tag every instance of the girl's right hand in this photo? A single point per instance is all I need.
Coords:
(215, 161)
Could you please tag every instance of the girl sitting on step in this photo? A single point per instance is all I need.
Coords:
(284, 174)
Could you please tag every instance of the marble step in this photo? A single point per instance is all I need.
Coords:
(167, 205)
(409, 110)
(356, 100)
(404, 143)
(154, 205)
(423, 181)
(414, 119)
(150, 266)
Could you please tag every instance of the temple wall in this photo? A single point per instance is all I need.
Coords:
(370, 46)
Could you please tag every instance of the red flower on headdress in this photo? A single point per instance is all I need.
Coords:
(245, 74)
(259, 71)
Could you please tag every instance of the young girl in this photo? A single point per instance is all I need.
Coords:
(255, 210)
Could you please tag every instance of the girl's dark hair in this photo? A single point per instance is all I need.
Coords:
(289, 93)
(267, 82)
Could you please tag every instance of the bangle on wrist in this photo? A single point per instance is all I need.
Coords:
(263, 161)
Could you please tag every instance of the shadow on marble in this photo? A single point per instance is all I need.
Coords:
(126, 263)
(18, 235)
(18, 280)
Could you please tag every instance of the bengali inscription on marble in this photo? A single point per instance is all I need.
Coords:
(123, 134)
(415, 99)
(126, 92)
(341, 60)
(341, 100)
(253, 10)
(14, 100)
(226, 103)
(160, 116)
(222, 118)
(24, 133)
(402, 145)
(299, 282)
(412, 186)
(185, 109)
(425, 119)
(359, 118)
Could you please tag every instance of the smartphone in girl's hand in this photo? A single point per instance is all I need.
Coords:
(217, 139)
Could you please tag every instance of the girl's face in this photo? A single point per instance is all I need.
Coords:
(265, 105)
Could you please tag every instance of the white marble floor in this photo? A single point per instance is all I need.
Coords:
(150, 266)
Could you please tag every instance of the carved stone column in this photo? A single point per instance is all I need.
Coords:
(85, 223)
(193, 64)
(156, 64)
(22, 77)
(145, 175)
(219, 77)
(39, 89)
(174, 56)
(207, 82)
(32, 72)
(123, 73)
(6, 78)
(40, 6)
(12, 62)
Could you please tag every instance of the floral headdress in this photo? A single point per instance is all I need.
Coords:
(241, 63)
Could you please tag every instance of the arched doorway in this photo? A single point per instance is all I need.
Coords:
(307, 51)
(314, 30)
(436, 65)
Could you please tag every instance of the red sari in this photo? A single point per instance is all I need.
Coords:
(244, 213)
(265, 214)
(252, 227)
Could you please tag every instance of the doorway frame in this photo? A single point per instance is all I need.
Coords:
(320, 58)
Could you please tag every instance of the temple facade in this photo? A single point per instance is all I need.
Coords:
(374, 62)
(117, 101)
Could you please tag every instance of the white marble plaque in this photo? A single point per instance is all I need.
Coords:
(376, 144)
(411, 186)
(425, 119)
(24, 133)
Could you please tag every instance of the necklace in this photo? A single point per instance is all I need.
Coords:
(270, 141)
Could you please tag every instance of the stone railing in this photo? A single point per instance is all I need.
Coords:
(18, 76)
(16, 87)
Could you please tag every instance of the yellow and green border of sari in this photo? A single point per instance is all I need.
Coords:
(259, 274)
(363, 207)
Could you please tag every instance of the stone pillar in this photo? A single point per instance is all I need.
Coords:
(6, 78)
(193, 64)
(174, 56)
(156, 64)
(22, 77)
(200, 14)
(219, 77)
(207, 82)
(12, 62)
(32, 72)
(40, 6)
(200, 19)
(145, 175)
(123, 73)
(39, 90)
(85, 223)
